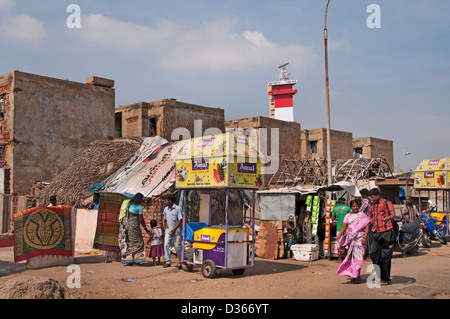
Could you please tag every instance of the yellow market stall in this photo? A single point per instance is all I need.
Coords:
(224, 161)
(434, 175)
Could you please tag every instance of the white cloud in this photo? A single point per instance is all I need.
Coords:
(23, 28)
(339, 45)
(125, 36)
(213, 45)
(256, 38)
(6, 5)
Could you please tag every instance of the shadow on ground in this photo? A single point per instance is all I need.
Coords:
(262, 267)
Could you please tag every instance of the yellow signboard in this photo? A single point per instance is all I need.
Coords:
(227, 160)
(228, 144)
(432, 173)
(208, 237)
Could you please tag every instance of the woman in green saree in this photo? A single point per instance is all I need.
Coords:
(131, 242)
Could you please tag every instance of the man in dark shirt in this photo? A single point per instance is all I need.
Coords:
(338, 215)
(381, 214)
(409, 211)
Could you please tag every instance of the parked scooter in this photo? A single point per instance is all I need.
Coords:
(430, 231)
(407, 236)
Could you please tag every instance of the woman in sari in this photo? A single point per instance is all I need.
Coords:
(131, 242)
(353, 237)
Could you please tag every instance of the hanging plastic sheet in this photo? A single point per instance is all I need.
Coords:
(151, 171)
(276, 206)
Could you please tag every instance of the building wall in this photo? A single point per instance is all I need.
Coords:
(274, 148)
(375, 147)
(341, 144)
(132, 120)
(49, 121)
(176, 115)
(289, 133)
(164, 116)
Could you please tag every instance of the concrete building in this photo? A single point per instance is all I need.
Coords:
(274, 145)
(168, 118)
(289, 132)
(371, 147)
(314, 144)
(45, 123)
(344, 146)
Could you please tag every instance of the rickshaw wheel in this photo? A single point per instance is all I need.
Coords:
(208, 269)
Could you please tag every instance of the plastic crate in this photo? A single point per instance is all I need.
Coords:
(191, 228)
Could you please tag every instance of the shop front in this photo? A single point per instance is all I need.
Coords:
(221, 162)
(304, 215)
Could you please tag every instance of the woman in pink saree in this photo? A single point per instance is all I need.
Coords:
(353, 237)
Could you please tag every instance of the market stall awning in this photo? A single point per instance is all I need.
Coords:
(344, 186)
(304, 190)
(310, 189)
(432, 174)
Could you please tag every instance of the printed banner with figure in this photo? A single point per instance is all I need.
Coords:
(42, 231)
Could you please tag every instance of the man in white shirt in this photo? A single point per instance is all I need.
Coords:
(172, 221)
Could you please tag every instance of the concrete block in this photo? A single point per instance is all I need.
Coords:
(95, 80)
(305, 252)
(85, 229)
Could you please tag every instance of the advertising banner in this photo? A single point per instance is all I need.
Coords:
(227, 160)
(432, 174)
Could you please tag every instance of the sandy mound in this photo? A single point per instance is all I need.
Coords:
(33, 288)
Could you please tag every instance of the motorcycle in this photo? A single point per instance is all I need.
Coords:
(442, 222)
(407, 236)
(430, 231)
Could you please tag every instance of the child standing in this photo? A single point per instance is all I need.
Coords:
(156, 242)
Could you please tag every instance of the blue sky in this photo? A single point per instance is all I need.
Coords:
(390, 82)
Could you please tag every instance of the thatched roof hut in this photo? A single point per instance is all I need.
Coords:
(100, 159)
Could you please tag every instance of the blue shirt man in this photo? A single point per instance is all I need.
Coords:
(173, 218)
(172, 221)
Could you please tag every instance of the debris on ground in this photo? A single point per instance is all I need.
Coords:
(33, 287)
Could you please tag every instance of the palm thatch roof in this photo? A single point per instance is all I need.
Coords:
(100, 159)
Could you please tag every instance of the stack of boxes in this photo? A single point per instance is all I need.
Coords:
(309, 252)
(329, 208)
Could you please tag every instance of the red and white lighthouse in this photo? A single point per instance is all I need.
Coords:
(281, 96)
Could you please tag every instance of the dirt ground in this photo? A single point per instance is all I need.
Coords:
(425, 275)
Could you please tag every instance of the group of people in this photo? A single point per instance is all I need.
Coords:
(366, 224)
(131, 241)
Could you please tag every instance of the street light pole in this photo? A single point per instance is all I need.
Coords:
(327, 93)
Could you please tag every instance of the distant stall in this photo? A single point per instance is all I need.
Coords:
(301, 214)
(286, 219)
(433, 175)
